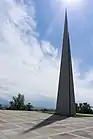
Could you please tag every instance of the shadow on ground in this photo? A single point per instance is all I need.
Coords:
(46, 122)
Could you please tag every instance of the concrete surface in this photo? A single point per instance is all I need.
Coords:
(35, 125)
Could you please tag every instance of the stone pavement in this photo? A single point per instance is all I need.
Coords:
(35, 125)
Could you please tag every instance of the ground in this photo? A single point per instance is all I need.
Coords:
(35, 125)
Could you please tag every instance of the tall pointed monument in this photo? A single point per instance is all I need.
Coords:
(66, 99)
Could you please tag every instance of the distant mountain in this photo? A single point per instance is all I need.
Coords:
(42, 102)
(3, 101)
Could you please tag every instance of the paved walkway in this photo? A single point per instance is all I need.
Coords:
(35, 125)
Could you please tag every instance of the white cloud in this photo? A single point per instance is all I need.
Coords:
(83, 84)
(27, 65)
(24, 60)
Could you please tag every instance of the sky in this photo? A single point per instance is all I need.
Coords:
(31, 33)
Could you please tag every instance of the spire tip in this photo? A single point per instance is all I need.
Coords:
(66, 11)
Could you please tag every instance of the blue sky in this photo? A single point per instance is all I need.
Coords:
(30, 47)
(50, 22)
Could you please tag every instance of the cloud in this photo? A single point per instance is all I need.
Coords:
(28, 65)
(83, 83)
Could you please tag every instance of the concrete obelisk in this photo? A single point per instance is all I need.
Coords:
(66, 100)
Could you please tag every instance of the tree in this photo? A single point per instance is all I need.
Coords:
(29, 107)
(87, 108)
(77, 108)
(80, 107)
(0, 106)
(11, 105)
(18, 102)
(84, 108)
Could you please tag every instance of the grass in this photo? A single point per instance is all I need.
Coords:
(49, 112)
(78, 115)
(83, 115)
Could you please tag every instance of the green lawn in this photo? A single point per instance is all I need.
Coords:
(83, 115)
(77, 114)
